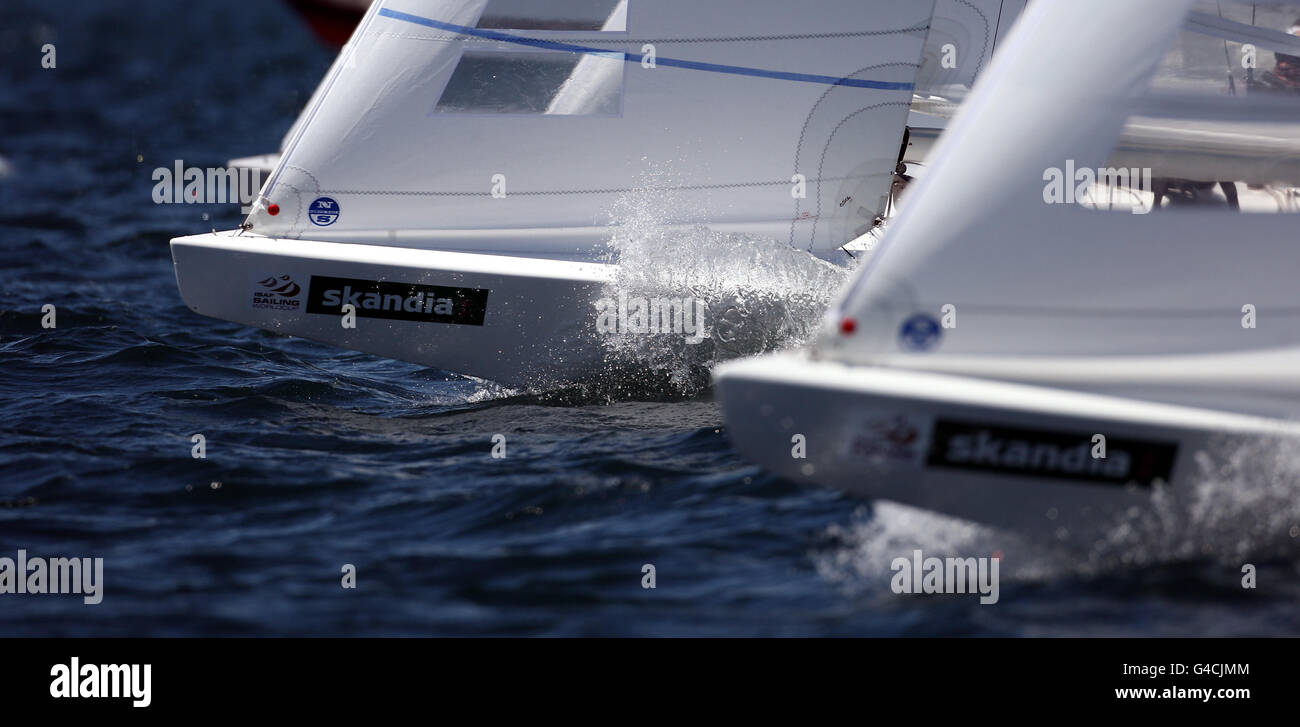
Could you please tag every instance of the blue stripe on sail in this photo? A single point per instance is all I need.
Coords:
(636, 58)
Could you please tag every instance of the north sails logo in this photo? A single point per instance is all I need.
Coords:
(397, 301)
(1061, 455)
(277, 293)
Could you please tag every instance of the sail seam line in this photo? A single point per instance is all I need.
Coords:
(618, 190)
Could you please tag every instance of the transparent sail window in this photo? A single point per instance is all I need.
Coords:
(550, 83)
(597, 15)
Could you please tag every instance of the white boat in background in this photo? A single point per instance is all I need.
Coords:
(1051, 368)
(451, 164)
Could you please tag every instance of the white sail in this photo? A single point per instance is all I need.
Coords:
(963, 36)
(587, 77)
(267, 162)
(431, 125)
(341, 58)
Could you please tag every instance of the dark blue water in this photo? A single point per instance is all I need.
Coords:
(318, 457)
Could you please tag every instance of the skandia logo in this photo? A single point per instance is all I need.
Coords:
(397, 301)
(277, 293)
(1062, 455)
(103, 681)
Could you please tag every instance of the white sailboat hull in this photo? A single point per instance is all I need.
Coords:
(1010, 455)
(516, 321)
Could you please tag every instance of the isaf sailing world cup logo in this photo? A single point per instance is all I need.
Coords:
(277, 293)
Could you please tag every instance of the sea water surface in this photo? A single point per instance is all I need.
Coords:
(317, 457)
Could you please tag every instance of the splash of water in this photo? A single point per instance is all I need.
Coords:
(759, 294)
(1243, 503)
(859, 563)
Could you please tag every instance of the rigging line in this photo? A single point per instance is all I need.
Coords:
(637, 58)
(997, 27)
(1227, 57)
(1250, 72)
